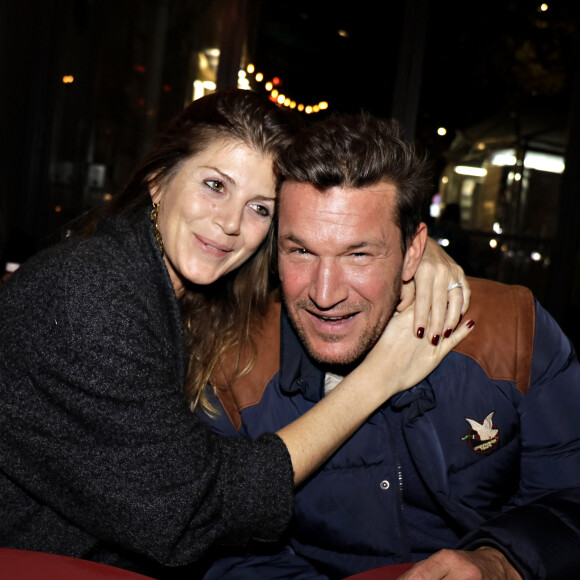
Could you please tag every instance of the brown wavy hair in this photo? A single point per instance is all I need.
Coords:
(217, 318)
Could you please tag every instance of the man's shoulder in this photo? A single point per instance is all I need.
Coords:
(499, 304)
(503, 338)
(249, 389)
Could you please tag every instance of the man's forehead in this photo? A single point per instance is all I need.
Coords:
(339, 219)
(377, 199)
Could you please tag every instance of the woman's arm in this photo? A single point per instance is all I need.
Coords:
(397, 362)
(437, 309)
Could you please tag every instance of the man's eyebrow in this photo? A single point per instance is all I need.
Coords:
(359, 245)
(290, 238)
(371, 244)
(352, 247)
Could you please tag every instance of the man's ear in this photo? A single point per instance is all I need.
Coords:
(414, 253)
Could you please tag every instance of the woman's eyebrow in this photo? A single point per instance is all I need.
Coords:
(222, 173)
(265, 197)
(230, 179)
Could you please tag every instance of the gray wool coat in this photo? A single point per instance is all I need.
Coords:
(100, 457)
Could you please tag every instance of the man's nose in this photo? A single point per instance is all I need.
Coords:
(229, 215)
(328, 286)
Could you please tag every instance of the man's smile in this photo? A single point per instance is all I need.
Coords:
(326, 318)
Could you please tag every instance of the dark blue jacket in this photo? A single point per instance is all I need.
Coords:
(486, 450)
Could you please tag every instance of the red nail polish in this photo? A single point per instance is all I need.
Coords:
(435, 340)
(470, 324)
(448, 333)
(420, 332)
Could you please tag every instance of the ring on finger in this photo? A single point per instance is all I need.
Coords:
(456, 285)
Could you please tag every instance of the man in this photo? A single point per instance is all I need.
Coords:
(475, 471)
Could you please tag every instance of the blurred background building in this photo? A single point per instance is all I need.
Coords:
(491, 91)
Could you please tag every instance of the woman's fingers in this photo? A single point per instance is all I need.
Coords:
(442, 294)
(407, 295)
(400, 354)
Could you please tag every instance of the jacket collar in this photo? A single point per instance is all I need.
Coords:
(298, 372)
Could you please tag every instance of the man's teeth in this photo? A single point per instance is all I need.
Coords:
(333, 318)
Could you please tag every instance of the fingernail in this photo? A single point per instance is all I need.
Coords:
(420, 332)
(448, 332)
(470, 324)
(435, 340)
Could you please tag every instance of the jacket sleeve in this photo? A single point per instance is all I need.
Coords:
(96, 434)
(540, 539)
(275, 562)
(541, 534)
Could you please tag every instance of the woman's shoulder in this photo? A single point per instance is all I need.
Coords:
(75, 260)
(117, 260)
(104, 287)
(116, 242)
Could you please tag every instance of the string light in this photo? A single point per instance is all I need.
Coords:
(275, 95)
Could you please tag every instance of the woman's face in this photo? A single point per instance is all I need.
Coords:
(215, 211)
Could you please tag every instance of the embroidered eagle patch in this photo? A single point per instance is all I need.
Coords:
(484, 436)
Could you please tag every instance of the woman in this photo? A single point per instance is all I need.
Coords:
(101, 457)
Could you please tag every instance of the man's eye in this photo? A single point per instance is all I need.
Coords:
(215, 185)
(260, 209)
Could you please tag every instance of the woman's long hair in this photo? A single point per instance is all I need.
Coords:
(217, 318)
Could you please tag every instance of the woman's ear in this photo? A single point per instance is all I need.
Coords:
(154, 187)
(414, 253)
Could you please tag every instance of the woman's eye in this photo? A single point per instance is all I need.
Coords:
(215, 185)
(260, 209)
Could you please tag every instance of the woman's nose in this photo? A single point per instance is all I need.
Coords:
(229, 216)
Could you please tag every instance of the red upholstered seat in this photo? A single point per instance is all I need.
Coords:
(27, 565)
(383, 573)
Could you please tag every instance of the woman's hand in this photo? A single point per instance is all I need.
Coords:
(397, 362)
(400, 360)
(437, 310)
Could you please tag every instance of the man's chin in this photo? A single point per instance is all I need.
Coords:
(326, 356)
(335, 351)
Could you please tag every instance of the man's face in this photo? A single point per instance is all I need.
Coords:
(341, 266)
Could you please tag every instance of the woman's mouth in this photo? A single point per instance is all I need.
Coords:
(213, 247)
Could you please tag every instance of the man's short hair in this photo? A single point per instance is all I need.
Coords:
(356, 151)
